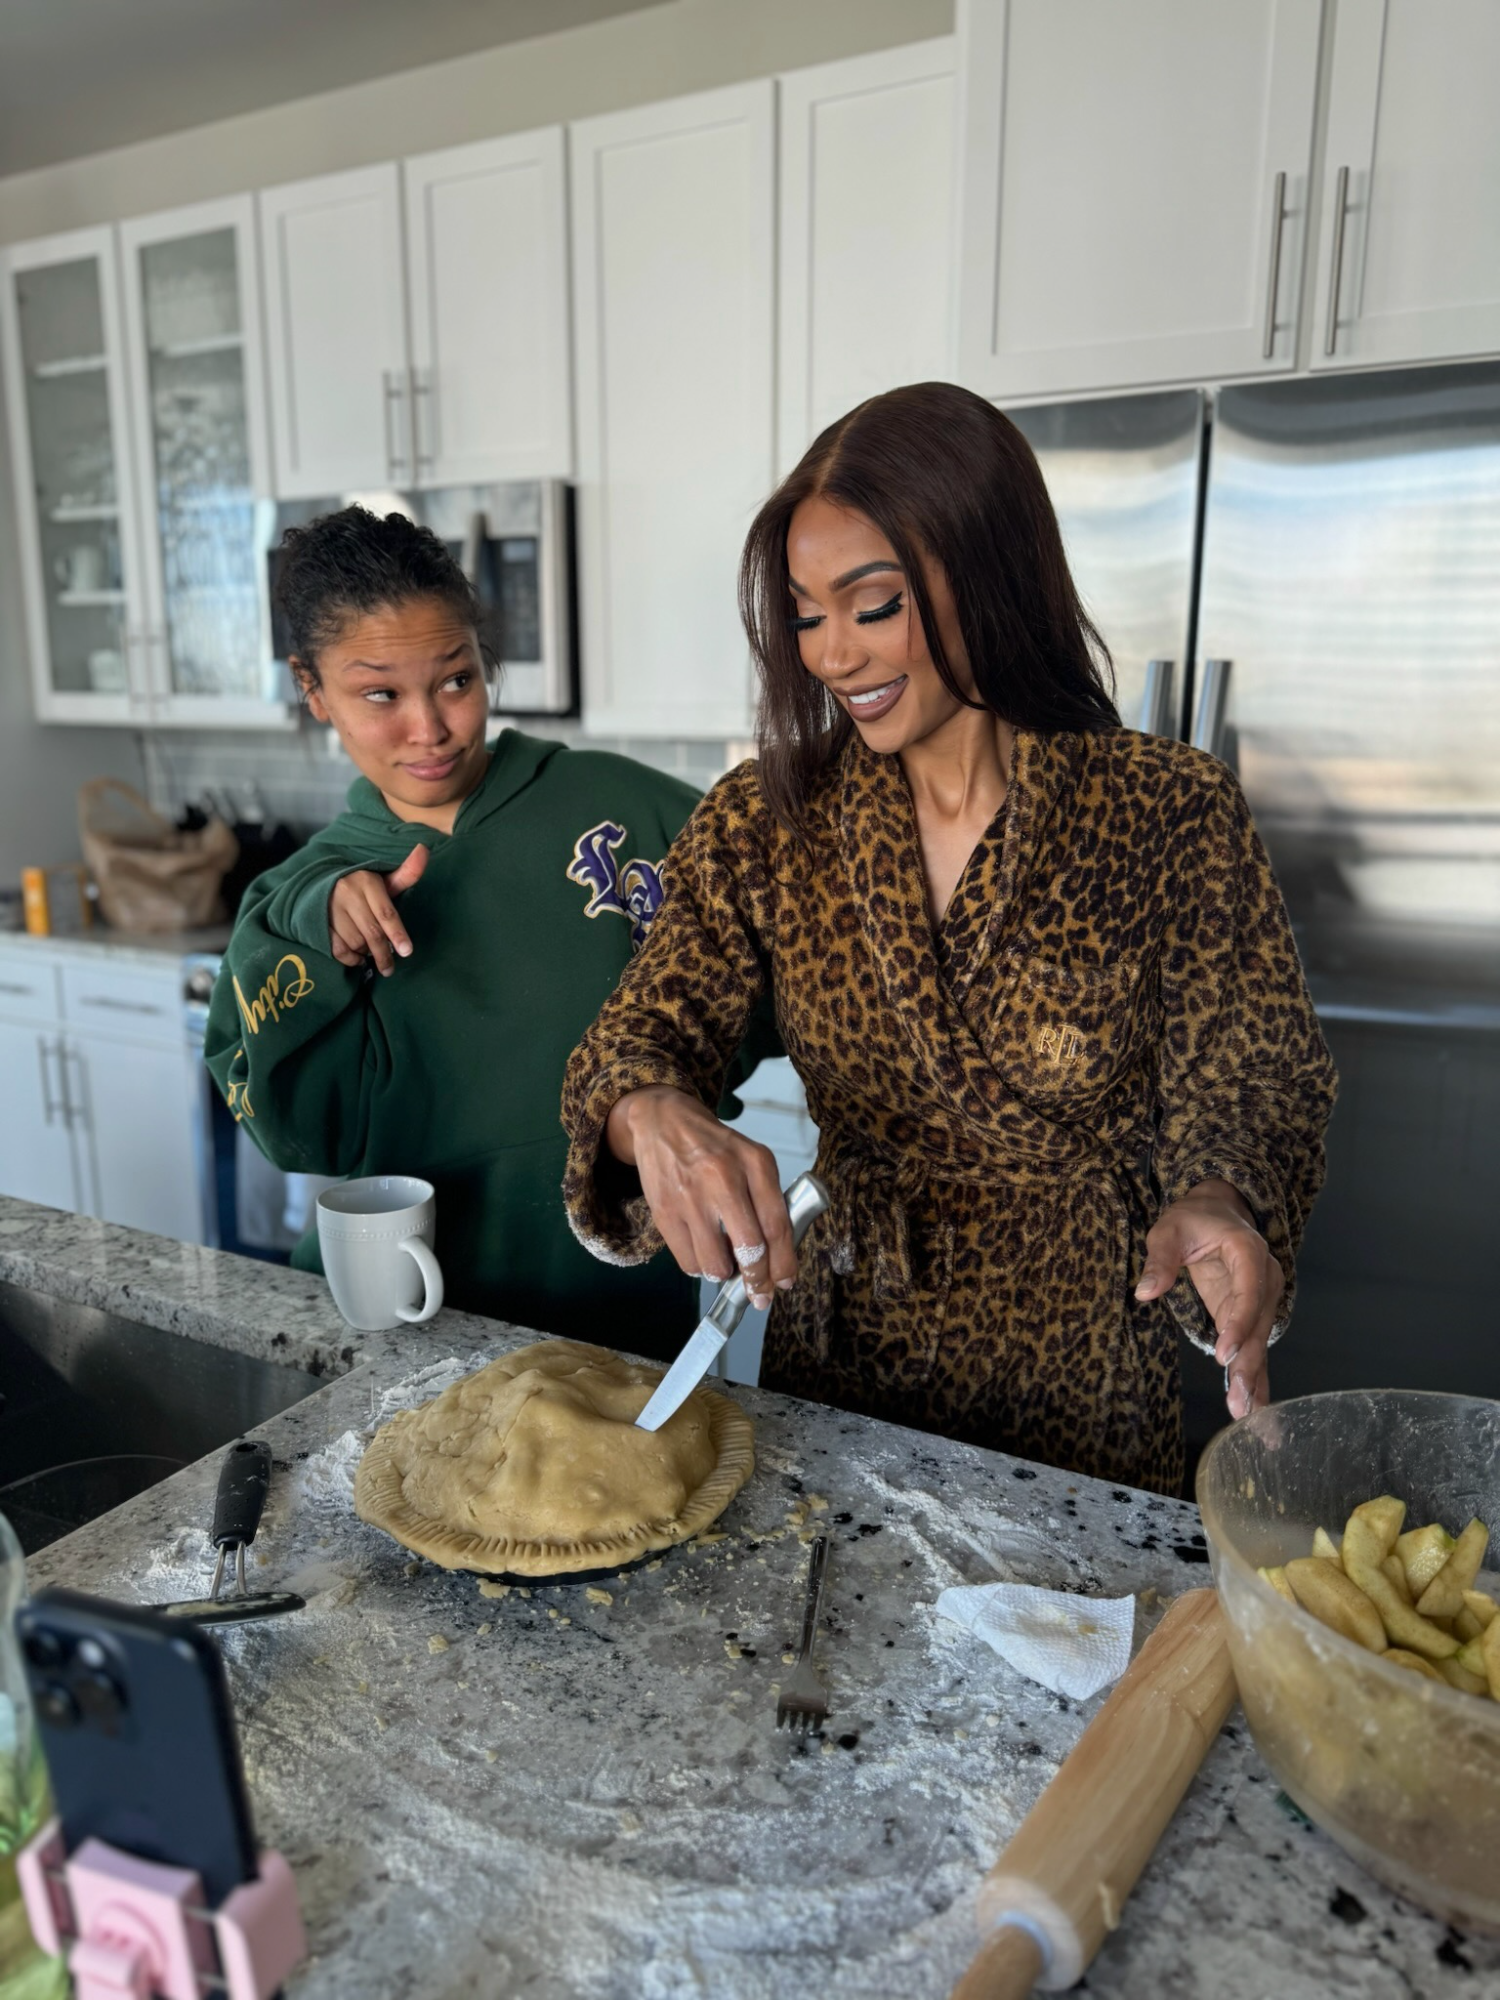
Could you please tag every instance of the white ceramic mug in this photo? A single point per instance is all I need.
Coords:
(376, 1238)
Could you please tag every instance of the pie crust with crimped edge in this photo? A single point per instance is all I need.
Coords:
(380, 1484)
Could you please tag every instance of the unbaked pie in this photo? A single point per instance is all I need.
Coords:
(533, 1466)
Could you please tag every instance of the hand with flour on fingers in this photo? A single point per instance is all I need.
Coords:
(715, 1197)
(362, 919)
(1210, 1233)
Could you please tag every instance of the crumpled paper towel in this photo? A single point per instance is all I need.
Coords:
(1071, 1644)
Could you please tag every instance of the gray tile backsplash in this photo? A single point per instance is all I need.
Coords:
(303, 774)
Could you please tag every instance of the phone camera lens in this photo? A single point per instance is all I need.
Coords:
(99, 1696)
(44, 1648)
(55, 1705)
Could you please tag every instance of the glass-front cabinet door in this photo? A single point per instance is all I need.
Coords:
(66, 404)
(204, 477)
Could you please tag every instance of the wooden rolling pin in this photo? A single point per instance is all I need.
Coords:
(1059, 1887)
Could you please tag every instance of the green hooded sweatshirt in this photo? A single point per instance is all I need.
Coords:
(451, 1068)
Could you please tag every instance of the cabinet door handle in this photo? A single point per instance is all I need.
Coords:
(74, 1111)
(1336, 268)
(395, 397)
(115, 1006)
(51, 1107)
(15, 986)
(1273, 281)
(423, 416)
(139, 680)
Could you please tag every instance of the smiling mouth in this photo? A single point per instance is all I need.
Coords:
(872, 702)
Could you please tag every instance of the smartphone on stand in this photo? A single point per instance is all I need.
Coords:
(137, 1730)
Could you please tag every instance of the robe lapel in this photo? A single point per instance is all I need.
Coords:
(883, 868)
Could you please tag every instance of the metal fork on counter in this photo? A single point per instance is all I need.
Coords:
(803, 1703)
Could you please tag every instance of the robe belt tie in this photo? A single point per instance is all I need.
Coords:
(870, 1223)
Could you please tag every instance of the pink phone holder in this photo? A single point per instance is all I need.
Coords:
(131, 1929)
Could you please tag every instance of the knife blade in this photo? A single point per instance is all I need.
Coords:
(805, 1198)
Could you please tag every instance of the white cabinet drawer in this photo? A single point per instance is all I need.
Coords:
(143, 1004)
(28, 988)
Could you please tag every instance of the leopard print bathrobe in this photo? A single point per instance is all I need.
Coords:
(1110, 1011)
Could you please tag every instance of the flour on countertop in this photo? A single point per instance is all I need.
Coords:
(542, 1792)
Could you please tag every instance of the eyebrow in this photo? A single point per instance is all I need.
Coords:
(852, 575)
(382, 667)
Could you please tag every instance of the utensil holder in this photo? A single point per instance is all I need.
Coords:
(132, 1929)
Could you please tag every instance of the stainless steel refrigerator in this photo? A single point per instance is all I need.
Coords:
(1319, 561)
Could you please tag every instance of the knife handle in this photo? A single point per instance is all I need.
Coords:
(806, 1199)
(244, 1479)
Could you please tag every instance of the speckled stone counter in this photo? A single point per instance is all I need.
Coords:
(260, 1309)
(580, 1791)
(144, 948)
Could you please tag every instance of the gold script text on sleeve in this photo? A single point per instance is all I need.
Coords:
(275, 996)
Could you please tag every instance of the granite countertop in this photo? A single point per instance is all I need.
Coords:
(580, 1791)
(135, 947)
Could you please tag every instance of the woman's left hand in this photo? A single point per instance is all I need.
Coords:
(1210, 1232)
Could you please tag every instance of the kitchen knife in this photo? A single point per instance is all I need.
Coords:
(805, 1198)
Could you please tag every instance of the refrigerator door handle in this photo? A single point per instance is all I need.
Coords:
(1213, 707)
(1156, 702)
(1273, 280)
(1336, 265)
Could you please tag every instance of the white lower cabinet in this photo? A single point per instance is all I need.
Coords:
(36, 1140)
(134, 1107)
(106, 1121)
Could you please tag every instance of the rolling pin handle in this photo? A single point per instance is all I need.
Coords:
(1008, 1964)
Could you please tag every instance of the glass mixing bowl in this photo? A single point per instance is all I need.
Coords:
(1402, 1772)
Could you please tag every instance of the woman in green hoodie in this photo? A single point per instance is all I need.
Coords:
(403, 994)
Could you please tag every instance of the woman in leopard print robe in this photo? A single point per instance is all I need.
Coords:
(1100, 1026)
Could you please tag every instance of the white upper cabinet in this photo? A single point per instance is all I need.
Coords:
(142, 464)
(1134, 189)
(487, 257)
(336, 333)
(421, 340)
(203, 462)
(865, 251)
(674, 289)
(1408, 262)
(76, 508)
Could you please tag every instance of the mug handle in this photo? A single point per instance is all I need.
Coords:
(432, 1282)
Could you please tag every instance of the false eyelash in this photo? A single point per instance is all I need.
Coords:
(802, 624)
(882, 611)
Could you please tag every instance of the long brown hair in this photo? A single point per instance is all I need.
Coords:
(940, 472)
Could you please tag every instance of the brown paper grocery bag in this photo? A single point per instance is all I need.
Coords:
(151, 877)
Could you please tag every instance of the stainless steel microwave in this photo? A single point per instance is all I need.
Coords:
(514, 541)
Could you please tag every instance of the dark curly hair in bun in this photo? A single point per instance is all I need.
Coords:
(343, 566)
